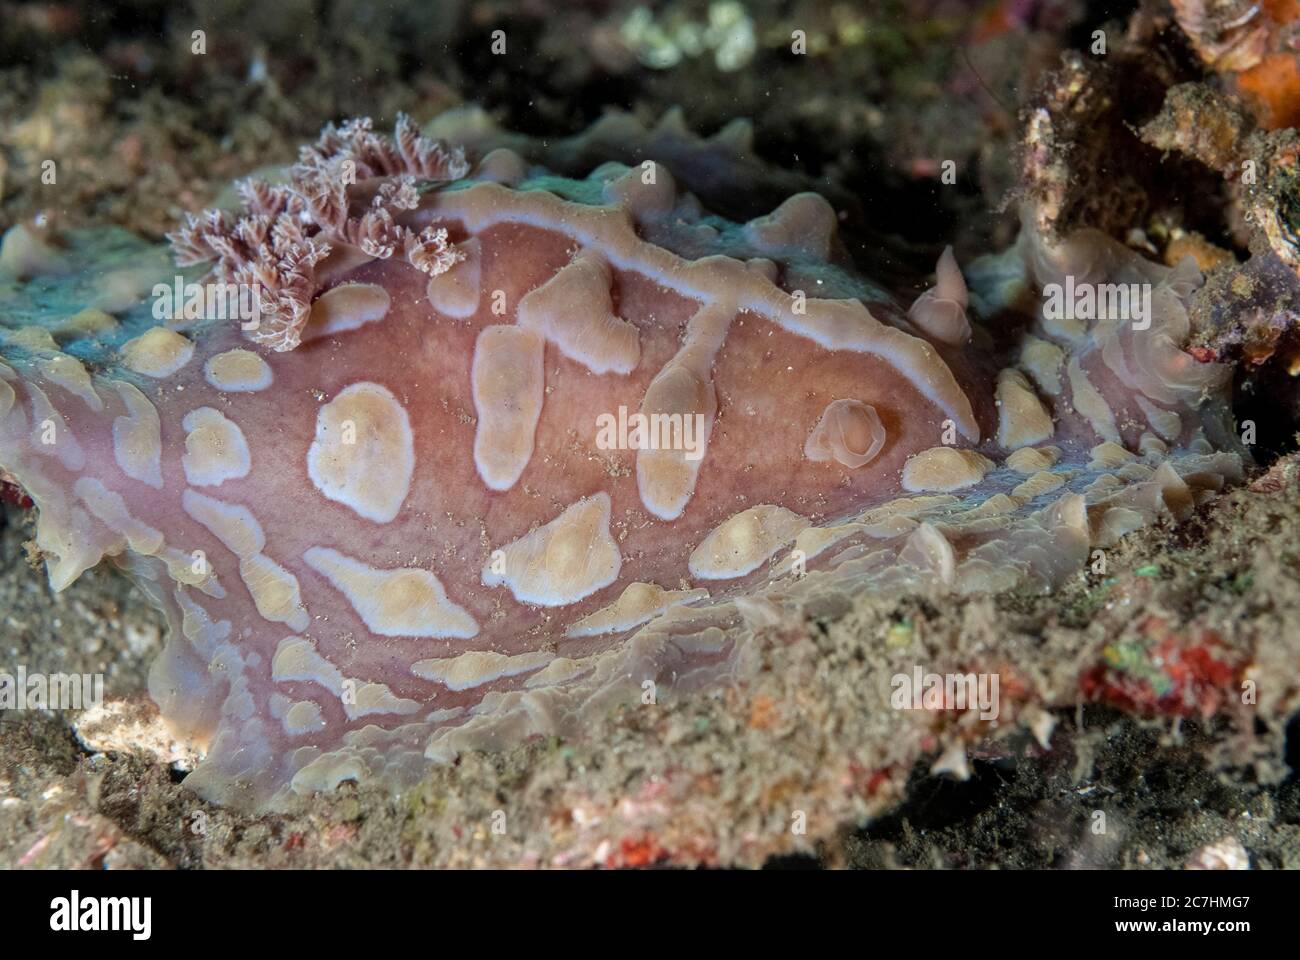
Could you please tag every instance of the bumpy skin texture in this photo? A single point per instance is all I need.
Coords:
(404, 537)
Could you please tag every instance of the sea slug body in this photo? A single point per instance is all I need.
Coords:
(383, 519)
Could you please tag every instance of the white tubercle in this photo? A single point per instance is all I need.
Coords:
(562, 561)
(509, 383)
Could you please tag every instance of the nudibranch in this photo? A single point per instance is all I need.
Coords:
(499, 448)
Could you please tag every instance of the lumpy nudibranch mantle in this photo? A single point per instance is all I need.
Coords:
(389, 520)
